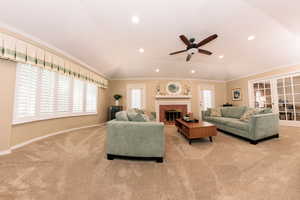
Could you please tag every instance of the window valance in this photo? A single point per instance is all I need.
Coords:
(20, 51)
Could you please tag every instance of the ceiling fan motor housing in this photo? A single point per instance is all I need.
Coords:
(192, 51)
(192, 40)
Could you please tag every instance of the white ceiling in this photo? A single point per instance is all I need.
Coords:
(100, 33)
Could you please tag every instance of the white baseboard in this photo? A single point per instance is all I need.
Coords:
(5, 152)
(46, 136)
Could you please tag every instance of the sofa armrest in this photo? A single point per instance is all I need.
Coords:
(204, 114)
(264, 125)
(128, 138)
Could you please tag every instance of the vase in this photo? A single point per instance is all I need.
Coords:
(117, 102)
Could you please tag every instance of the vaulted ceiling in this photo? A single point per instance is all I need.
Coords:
(101, 34)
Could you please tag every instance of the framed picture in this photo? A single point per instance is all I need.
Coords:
(236, 94)
(173, 88)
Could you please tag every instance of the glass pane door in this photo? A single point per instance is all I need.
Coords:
(288, 89)
(262, 94)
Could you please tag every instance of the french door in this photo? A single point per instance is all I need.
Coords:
(281, 94)
(288, 99)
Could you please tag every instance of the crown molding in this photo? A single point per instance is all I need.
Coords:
(37, 41)
(264, 71)
(165, 78)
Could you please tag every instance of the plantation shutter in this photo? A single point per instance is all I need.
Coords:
(91, 98)
(136, 98)
(47, 92)
(26, 91)
(78, 95)
(63, 93)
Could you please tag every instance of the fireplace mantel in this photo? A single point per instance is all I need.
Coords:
(173, 96)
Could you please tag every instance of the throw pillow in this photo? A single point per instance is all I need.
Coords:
(121, 116)
(248, 114)
(131, 115)
(215, 112)
(141, 118)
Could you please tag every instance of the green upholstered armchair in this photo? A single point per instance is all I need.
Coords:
(135, 139)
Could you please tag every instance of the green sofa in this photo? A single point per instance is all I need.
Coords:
(261, 126)
(134, 139)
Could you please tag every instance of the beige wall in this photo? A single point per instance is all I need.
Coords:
(243, 83)
(16, 134)
(119, 87)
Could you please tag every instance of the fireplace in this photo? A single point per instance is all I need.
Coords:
(169, 113)
(164, 106)
(172, 115)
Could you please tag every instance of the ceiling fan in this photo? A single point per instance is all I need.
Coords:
(192, 47)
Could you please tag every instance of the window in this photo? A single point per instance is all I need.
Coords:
(91, 97)
(78, 90)
(63, 94)
(26, 90)
(43, 94)
(47, 92)
(207, 99)
(136, 96)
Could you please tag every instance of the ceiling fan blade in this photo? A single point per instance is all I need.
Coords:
(207, 40)
(185, 40)
(176, 52)
(188, 58)
(204, 52)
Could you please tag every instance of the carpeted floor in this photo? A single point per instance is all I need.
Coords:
(73, 166)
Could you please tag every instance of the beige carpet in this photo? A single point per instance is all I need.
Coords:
(73, 166)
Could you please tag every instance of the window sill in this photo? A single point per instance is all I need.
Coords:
(44, 118)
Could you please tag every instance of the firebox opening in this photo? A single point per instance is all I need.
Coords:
(172, 115)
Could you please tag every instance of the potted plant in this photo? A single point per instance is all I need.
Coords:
(117, 97)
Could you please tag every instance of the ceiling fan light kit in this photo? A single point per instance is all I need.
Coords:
(192, 48)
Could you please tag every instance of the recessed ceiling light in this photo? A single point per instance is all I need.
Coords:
(193, 71)
(135, 19)
(157, 70)
(141, 50)
(251, 37)
(221, 56)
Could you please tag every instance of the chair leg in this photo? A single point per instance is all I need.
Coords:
(160, 160)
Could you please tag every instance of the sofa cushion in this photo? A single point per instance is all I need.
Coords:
(215, 112)
(233, 112)
(122, 116)
(238, 124)
(220, 120)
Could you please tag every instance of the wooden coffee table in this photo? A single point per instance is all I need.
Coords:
(197, 130)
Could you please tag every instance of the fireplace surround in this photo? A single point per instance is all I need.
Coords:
(162, 107)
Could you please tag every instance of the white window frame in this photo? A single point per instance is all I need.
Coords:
(136, 86)
(38, 116)
(202, 87)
